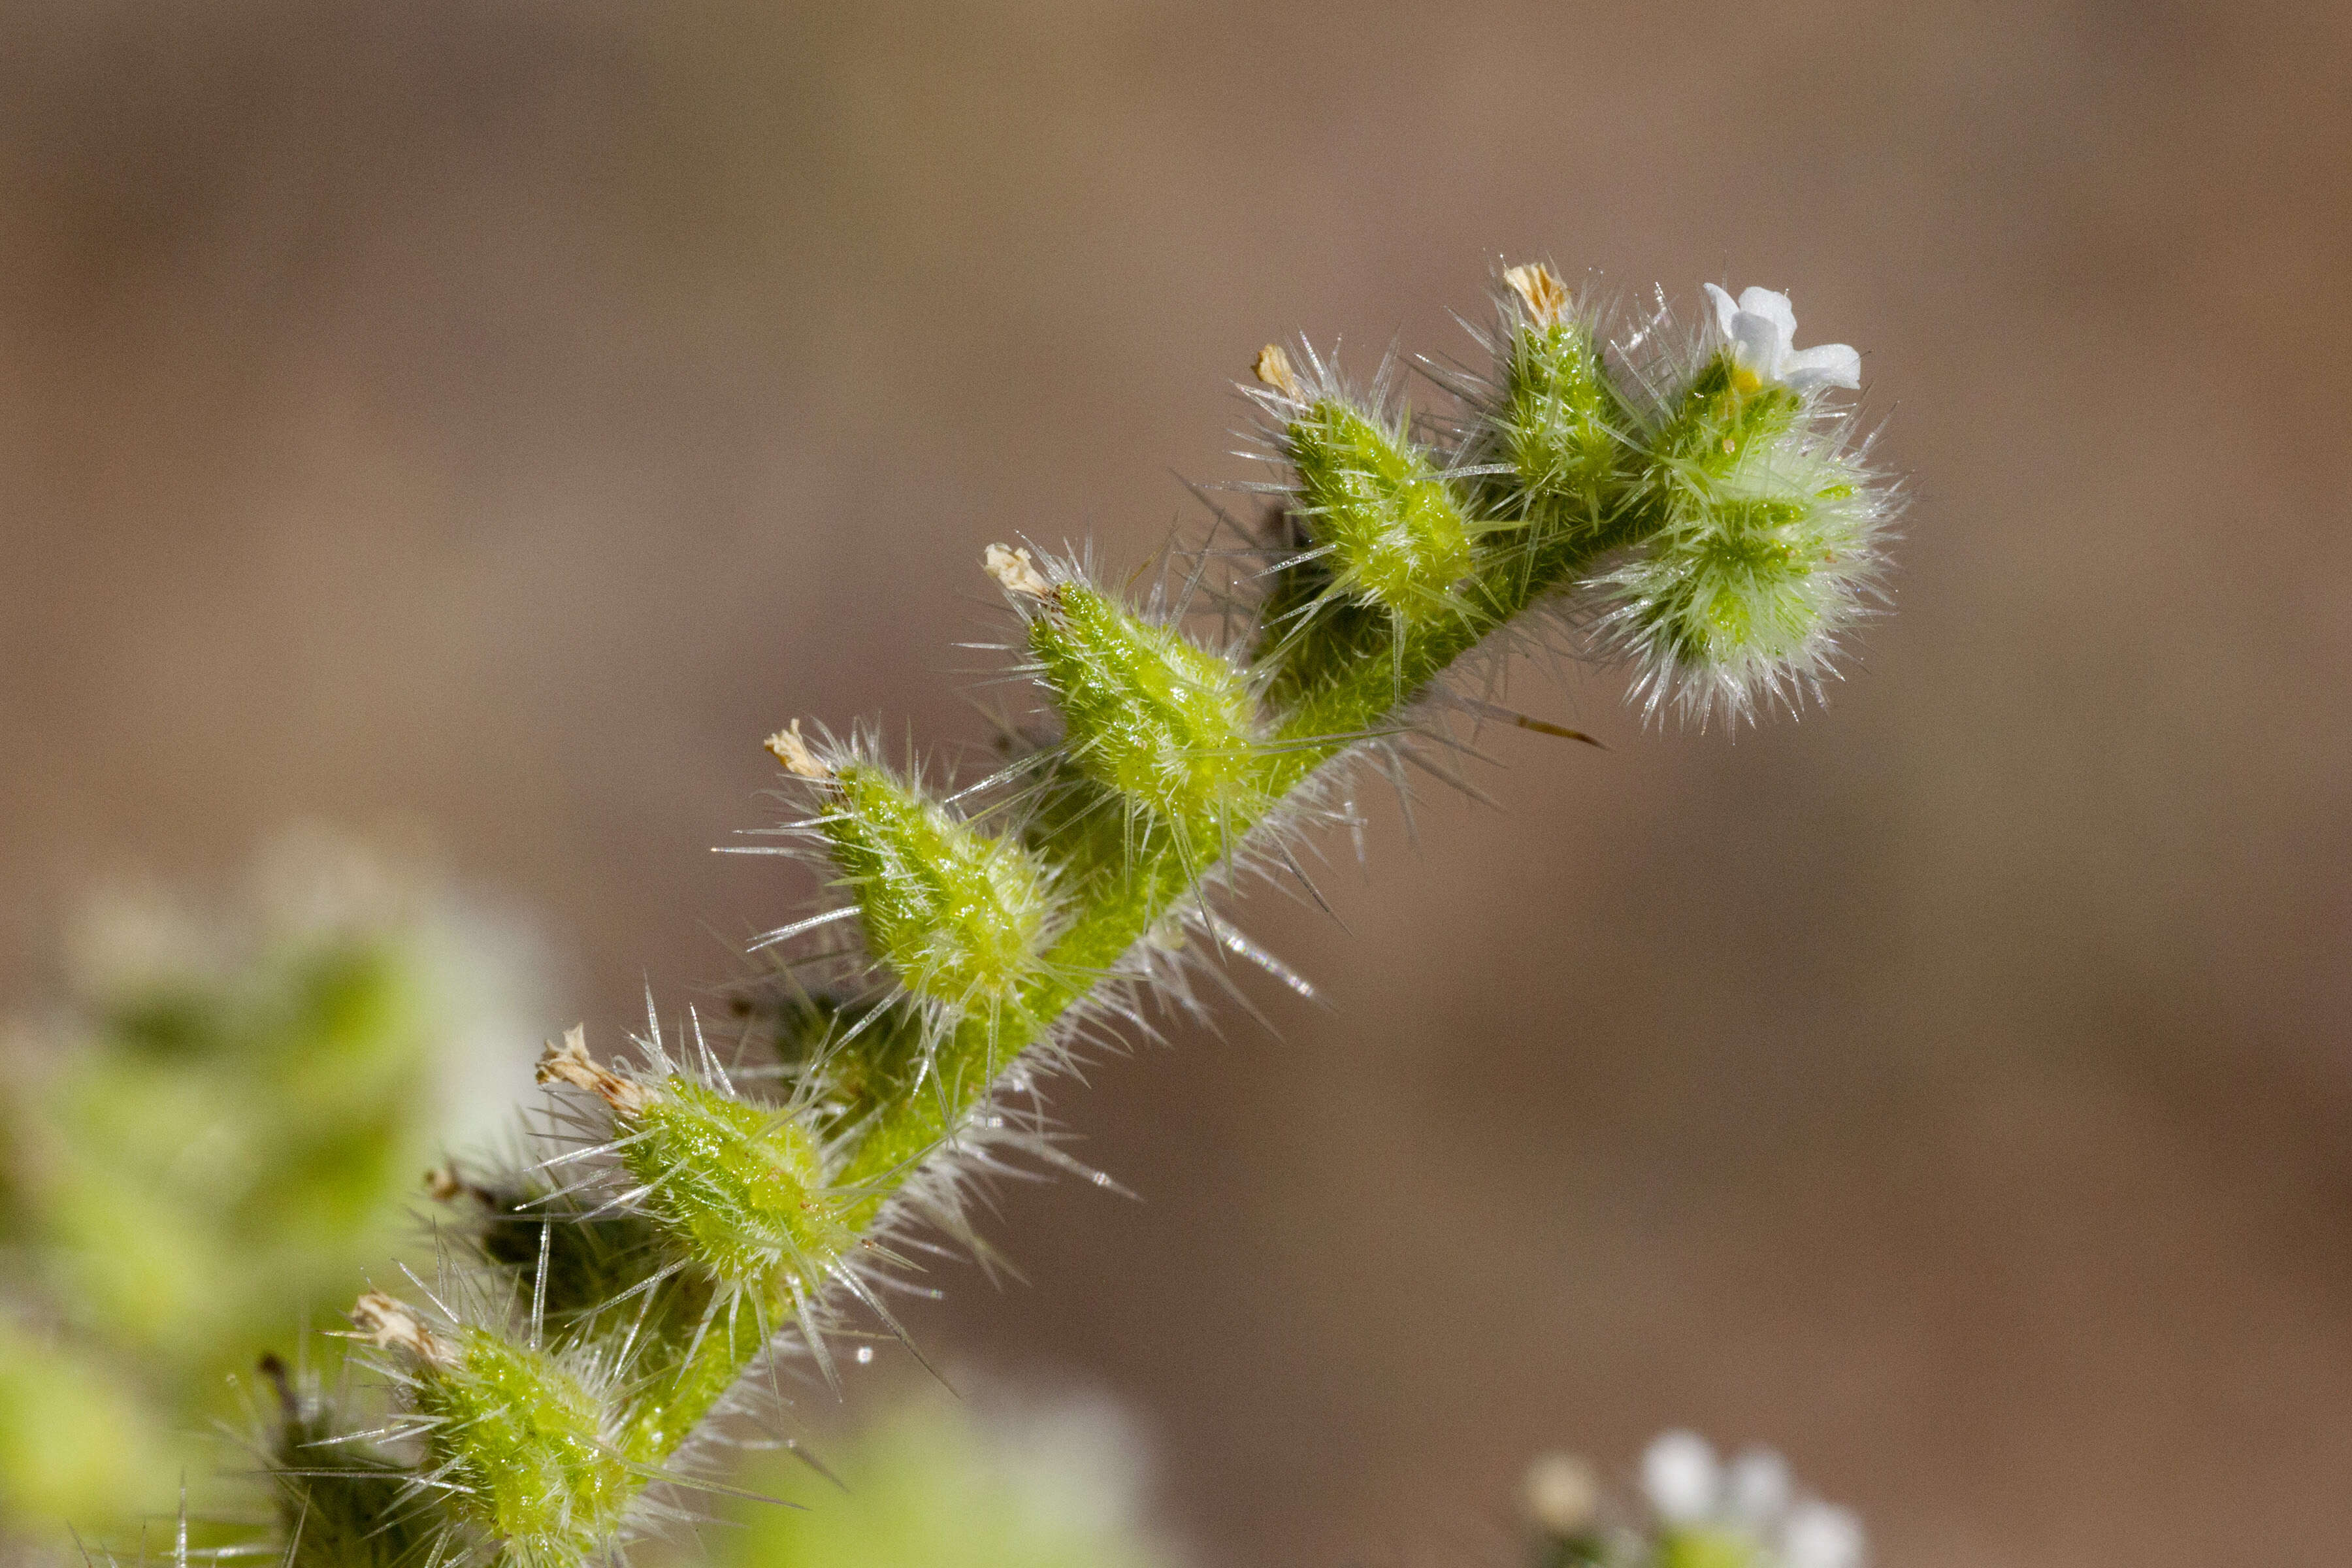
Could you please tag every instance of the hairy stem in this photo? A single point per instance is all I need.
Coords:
(1741, 526)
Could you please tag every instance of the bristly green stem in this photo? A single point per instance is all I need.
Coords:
(1742, 530)
(1129, 888)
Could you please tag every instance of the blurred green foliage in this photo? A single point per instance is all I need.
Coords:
(203, 1152)
(941, 1483)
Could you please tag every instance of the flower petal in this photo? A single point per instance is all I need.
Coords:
(1773, 306)
(1818, 1535)
(1724, 309)
(1827, 364)
(1756, 1487)
(1681, 1477)
(1761, 343)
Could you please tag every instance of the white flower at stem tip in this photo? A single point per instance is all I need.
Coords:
(1681, 1477)
(1820, 1535)
(1750, 1500)
(1756, 1487)
(1759, 327)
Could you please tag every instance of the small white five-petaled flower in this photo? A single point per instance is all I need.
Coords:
(1751, 1498)
(1759, 326)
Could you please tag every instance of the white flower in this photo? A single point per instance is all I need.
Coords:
(1820, 1535)
(1756, 1489)
(1759, 326)
(1681, 1477)
(1751, 1501)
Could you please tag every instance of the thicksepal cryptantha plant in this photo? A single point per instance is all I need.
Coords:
(1691, 501)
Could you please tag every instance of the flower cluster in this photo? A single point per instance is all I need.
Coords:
(1749, 1505)
(1762, 523)
(1695, 1511)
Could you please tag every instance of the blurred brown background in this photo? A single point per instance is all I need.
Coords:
(496, 416)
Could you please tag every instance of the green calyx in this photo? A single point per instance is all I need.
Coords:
(958, 915)
(1563, 433)
(521, 1443)
(1165, 723)
(741, 1186)
(1741, 583)
(1723, 417)
(1395, 534)
(1754, 559)
(1707, 1549)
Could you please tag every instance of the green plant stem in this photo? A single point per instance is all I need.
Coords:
(1752, 537)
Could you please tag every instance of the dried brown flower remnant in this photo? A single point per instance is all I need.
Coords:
(570, 1063)
(1546, 295)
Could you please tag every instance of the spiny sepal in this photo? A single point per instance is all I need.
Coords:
(1553, 423)
(959, 915)
(1167, 725)
(741, 1186)
(736, 1189)
(524, 1442)
(1725, 412)
(1382, 515)
(1740, 595)
(528, 1441)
